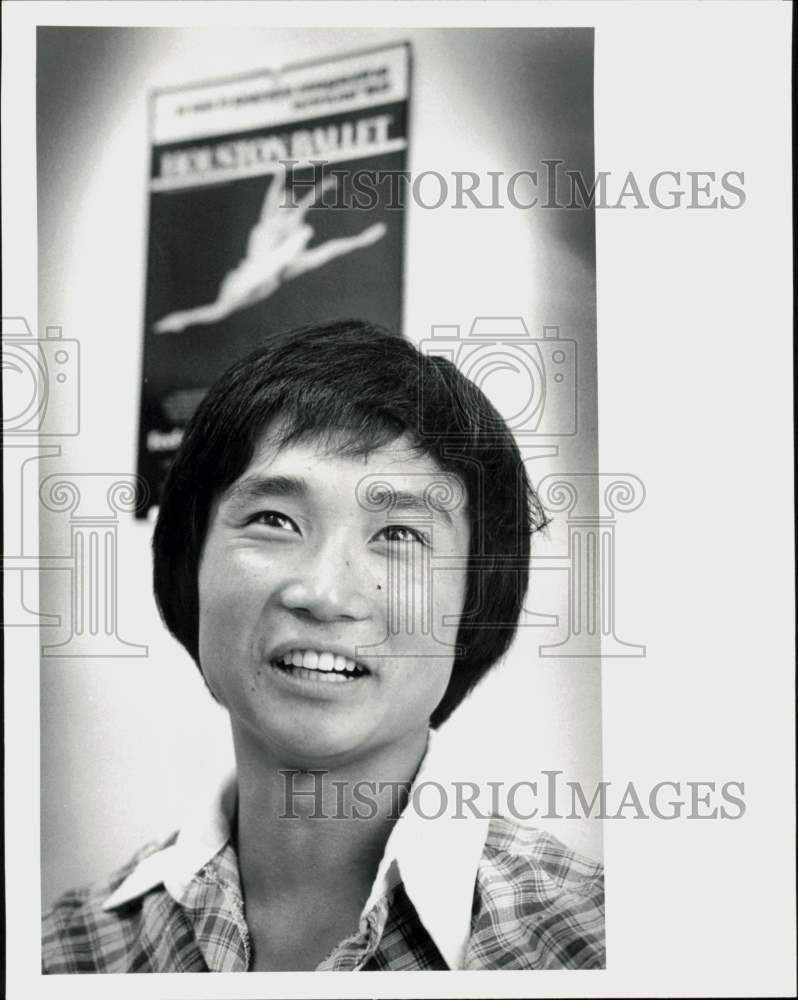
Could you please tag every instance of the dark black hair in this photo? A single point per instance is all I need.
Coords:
(362, 387)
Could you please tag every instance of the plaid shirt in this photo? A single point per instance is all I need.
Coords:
(453, 894)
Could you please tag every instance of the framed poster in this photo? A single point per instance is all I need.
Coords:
(267, 211)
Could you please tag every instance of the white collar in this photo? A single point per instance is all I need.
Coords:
(436, 859)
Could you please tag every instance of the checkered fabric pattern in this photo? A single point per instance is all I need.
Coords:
(537, 905)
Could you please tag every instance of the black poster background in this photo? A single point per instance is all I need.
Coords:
(198, 234)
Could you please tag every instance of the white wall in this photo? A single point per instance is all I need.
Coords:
(124, 740)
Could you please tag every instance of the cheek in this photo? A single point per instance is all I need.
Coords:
(229, 609)
(428, 671)
(415, 585)
(448, 600)
(422, 683)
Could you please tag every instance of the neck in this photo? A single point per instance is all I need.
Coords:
(319, 830)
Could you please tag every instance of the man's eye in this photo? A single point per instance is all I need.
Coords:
(399, 534)
(273, 519)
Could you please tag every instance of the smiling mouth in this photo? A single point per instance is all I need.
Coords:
(325, 667)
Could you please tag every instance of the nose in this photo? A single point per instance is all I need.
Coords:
(327, 585)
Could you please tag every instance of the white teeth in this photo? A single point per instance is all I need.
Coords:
(310, 659)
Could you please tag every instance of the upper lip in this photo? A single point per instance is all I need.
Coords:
(279, 651)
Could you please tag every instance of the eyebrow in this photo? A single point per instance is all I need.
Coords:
(255, 488)
(405, 500)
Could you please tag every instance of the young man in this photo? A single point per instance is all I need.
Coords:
(342, 547)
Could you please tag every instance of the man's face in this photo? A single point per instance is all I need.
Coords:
(322, 628)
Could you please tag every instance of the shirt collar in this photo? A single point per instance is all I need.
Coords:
(435, 858)
(204, 833)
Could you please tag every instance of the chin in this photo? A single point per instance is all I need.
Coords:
(312, 744)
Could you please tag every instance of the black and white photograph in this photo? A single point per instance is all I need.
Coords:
(378, 405)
